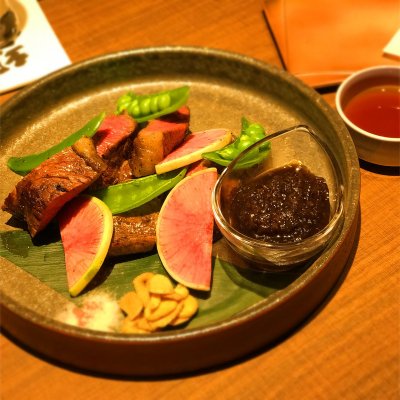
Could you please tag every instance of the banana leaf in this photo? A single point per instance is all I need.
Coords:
(233, 289)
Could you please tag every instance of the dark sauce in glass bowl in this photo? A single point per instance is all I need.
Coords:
(284, 205)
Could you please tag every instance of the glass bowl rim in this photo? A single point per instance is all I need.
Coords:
(336, 217)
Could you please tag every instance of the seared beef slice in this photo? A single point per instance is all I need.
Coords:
(133, 234)
(113, 143)
(135, 230)
(112, 132)
(40, 195)
(154, 142)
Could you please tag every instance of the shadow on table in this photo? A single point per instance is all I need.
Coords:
(380, 169)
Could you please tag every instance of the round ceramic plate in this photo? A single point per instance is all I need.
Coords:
(244, 310)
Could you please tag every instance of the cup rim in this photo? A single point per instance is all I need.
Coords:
(357, 77)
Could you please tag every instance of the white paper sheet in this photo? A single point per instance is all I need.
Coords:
(393, 47)
(35, 53)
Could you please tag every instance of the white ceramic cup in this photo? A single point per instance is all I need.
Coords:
(370, 147)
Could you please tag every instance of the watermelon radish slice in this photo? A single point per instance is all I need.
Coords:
(184, 230)
(86, 227)
(194, 145)
(197, 166)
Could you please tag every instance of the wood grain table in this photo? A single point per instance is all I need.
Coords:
(348, 349)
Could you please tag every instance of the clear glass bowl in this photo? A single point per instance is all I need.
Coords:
(297, 144)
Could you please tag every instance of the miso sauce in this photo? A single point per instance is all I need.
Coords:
(285, 205)
(376, 110)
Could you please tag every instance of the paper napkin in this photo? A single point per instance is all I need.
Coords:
(324, 41)
(392, 49)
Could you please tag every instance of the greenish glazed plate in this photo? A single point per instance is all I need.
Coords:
(245, 310)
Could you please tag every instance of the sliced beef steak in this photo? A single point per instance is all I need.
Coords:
(114, 130)
(133, 234)
(113, 142)
(154, 142)
(38, 197)
(135, 231)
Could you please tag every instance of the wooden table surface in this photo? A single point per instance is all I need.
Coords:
(348, 349)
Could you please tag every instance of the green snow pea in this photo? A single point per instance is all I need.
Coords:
(136, 192)
(23, 165)
(250, 133)
(255, 156)
(145, 107)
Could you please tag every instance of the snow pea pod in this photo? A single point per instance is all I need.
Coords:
(136, 192)
(255, 156)
(250, 133)
(23, 165)
(145, 107)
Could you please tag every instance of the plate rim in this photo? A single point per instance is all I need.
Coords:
(254, 311)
